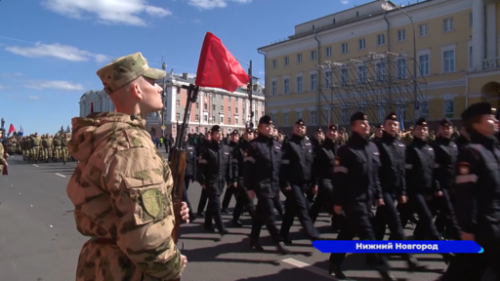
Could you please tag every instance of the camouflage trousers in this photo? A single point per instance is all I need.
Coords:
(35, 153)
(57, 152)
(45, 154)
(65, 153)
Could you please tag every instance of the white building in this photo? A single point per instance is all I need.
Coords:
(214, 107)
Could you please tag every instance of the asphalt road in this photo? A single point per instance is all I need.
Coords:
(39, 241)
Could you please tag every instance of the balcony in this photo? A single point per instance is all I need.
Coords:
(491, 63)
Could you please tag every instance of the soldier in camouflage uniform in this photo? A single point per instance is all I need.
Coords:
(50, 153)
(64, 148)
(11, 145)
(57, 148)
(121, 187)
(36, 142)
(44, 152)
(3, 161)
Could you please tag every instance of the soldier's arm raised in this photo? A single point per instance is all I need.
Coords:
(141, 200)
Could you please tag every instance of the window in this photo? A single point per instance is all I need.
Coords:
(470, 19)
(197, 130)
(235, 110)
(299, 58)
(205, 106)
(314, 81)
(286, 86)
(222, 119)
(449, 61)
(274, 88)
(228, 109)
(471, 65)
(424, 61)
(178, 102)
(362, 73)
(448, 24)
(177, 116)
(196, 117)
(197, 105)
(328, 78)
(205, 118)
(449, 108)
(345, 48)
(213, 119)
(235, 120)
(401, 35)
(344, 115)
(275, 64)
(380, 39)
(273, 117)
(286, 61)
(380, 71)
(313, 55)
(424, 109)
(344, 76)
(362, 44)
(422, 30)
(213, 107)
(229, 120)
(285, 119)
(313, 117)
(328, 51)
(401, 68)
(178, 90)
(299, 84)
(299, 115)
(328, 115)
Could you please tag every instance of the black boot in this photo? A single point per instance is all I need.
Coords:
(282, 249)
(334, 270)
(254, 244)
(387, 277)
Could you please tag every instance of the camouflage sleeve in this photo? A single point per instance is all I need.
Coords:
(2, 158)
(140, 184)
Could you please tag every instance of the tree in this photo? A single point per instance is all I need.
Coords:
(68, 130)
(61, 131)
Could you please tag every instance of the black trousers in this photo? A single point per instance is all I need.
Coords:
(213, 209)
(278, 205)
(425, 228)
(358, 222)
(243, 201)
(203, 201)
(296, 204)
(264, 214)
(446, 218)
(323, 201)
(471, 267)
(230, 192)
(187, 182)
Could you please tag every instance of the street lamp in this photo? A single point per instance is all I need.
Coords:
(163, 95)
(388, 7)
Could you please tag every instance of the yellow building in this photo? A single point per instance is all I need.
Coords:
(363, 59)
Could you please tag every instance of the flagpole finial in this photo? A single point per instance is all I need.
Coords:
(2, 122)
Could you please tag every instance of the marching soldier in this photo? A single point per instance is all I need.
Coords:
(64, 148)
(446, 152)
(57, 147)
(261, 177)
(392, 182)
(202, 203)
(242, 201)
(45, 148)
(3, 161)
(463, 139)
(478, 195)
(296, 180)
(357, 188)
(36, 142)
(190, 173)
(50, 153)
(377, 133)
(214, 171)
(231, 191)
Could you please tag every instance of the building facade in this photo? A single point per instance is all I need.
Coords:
(429, 59)
(231, 111)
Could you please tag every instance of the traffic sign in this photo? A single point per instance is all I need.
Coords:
(163, 127)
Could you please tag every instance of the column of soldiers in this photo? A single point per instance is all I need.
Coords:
(447, 185)
(41, 149)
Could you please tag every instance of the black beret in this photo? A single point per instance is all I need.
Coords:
(358, 116)
(235, 132)
(249, 130)
(392, 116)
(421, 122)
(214, 129)
(333, 127)
(300, 122)
(265, 120)
(319, 130)
(478, 109)
(445, 122)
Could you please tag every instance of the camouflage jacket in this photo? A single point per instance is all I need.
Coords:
(121, 190)
(2, 158)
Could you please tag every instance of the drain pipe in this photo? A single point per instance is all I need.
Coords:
(466, 90)
(318, 88)
(390, 65)
(265, 82)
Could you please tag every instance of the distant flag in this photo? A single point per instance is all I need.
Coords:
(11, 129)
(21, 131)
(401, 121)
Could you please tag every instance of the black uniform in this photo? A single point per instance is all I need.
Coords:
(242, 200)
(421, 186)
(230, 190)
(214, 172)
(356, 187)
(296, 174)
(478, 200)
(190, 175)
(202, 203)
(446, 152)
(261, 175)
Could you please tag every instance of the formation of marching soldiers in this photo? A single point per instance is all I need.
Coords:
(41, 149)
(454, 179)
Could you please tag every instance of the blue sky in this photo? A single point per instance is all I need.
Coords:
(51, 49)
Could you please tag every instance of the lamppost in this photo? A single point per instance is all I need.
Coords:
(163, 96)
(388, 7)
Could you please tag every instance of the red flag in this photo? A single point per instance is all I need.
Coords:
(91, 107)
(11, 129)
(217, 68)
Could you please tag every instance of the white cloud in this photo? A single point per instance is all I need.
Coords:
(107, 11)
(55, 85)
(3, 87)
(197, 21)
(344, 2)
(211, 4)
(34, 98)
(262, 72)
(59, 51)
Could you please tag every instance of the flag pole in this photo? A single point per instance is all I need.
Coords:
(250, 90)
